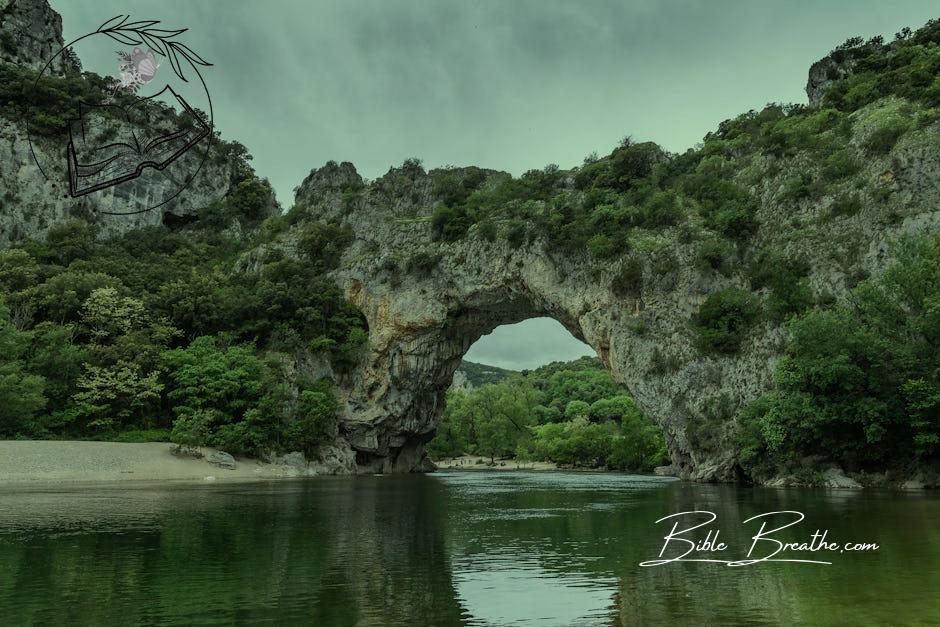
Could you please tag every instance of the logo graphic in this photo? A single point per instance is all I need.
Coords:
(137, 68)
(124, 136)
(95, 165)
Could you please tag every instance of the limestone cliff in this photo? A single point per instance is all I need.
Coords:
(33, 176)
(427, 300)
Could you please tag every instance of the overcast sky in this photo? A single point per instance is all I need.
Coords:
(506, 84)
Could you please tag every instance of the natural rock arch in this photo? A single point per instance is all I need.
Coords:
(427, 302)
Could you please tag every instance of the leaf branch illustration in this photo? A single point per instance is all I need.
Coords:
(160, 40)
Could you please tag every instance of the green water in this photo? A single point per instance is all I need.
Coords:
(452, 548)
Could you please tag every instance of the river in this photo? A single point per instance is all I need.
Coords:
(452, 548)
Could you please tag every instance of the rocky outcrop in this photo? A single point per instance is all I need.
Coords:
(824, 73)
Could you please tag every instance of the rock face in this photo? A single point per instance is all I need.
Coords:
(823, 74)
(422, 321)
(30, 33)
(34, 198)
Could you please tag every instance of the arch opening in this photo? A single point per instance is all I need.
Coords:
(523, 394)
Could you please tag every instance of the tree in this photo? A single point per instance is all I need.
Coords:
(21, 393)
(110, 397)
(859, 383)
(501, 412)
(225, 396)
(723, 320)
(576, 409)
(614, 408)
(316, 421)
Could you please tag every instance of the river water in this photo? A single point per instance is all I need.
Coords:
(451, 548)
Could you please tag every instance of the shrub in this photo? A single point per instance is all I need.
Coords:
(789, 290)
(449, 223)
(662, 209)
(628, 281)
(726, 207)
(845, 205)
(601, 246)
(858, 385)
(716, 254)
(801, 186)
(323, 243)
(883, 139)
(250, 199)
(423, 263)
(724, 319)
(839, 165)
(316, 420)
(631, 162)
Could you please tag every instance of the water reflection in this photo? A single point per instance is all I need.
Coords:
(450, 548)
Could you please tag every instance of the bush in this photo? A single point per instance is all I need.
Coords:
(786, 278)
(839, 165)
(449, 223)
(316, 422)
(631, 162)
(883, 139)
(423, 263)
(726, 207)
(845, 205)
(724, 319)
(251, 199)
(716, 254)
(662, 209)
(628, 282)
(323, 244)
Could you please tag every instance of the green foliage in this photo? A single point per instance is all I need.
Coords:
(786, 278)
(250, 199)
(726, 207)
(316, 422)
(98, 337)
(723, 320)
(882, 139)
(906, 67)
(716, 254)
(21, 393)
(845, 205)
(632, 162)
(220, 394)
(571, 413)
(628, 281)
(859, 385)
(423, 263)
(839, 165)
(323, 244)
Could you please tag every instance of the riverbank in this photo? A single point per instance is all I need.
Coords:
(474, 462)
(75, 461)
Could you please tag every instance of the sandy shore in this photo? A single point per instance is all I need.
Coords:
(472, 462)
(56, 461)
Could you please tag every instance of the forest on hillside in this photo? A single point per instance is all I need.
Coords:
(571, 413)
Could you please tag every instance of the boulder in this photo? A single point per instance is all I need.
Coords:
(665, 471)
(222, 460)
(834, 477)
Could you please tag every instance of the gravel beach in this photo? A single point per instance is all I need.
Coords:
(62, 461)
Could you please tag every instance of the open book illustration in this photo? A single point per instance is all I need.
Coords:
(108, 146)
